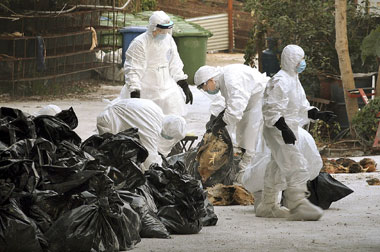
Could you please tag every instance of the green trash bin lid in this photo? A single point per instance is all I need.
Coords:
(190, 30)
(181, 27)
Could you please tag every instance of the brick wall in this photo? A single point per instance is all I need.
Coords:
(194, 8)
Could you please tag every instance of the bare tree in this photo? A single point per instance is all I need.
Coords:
(341, 46)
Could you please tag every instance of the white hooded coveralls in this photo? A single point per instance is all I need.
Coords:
(154, 67)
(242, 88)
(285, 97)
(145, 115)
(253, 178)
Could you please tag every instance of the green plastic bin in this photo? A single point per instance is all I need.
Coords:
(191, 40)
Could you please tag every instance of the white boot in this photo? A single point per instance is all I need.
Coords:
(257, 199)
(301, 209)
(269, 207)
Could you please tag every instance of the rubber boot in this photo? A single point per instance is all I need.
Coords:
(269, 207)
(257, 199)
(301, 209)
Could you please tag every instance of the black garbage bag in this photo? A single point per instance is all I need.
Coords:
(69, 152)
(324, 190)
(55, 130)
(84, 228)
(17, 231)
(101, 226)
(69, 117)
(55, 205)
(176, 222)
(177, 193)
(113, 149)
(19, 150)
(6, 190)
(128, 230)
(133, 175)
(211, 218)
(15, 125)
(123, 146)
(43, 152)
(34, 212)
(39, 150)
(21, 173)
(74, 183)
(151, 225)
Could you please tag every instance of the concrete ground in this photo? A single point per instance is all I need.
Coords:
(351, 224)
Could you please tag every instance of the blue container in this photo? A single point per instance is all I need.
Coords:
(129, 33)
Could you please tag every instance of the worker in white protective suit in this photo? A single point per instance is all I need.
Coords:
(242, 88)
(285, 109)
(158, 132)
(253, 178)
(153, 68)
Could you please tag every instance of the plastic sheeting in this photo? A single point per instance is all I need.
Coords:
(324, 190)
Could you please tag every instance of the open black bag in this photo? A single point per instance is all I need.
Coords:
(55, 130)
(69, 117)
(324, 190)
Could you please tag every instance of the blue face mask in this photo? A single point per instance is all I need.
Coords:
(301, 66)
(166, 136)
(212, 92)
(160, 37)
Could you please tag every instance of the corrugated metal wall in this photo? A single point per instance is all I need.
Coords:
(218, 25)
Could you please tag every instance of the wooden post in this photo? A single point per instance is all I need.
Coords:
(230, 27)
(377, 88)
(341, 46)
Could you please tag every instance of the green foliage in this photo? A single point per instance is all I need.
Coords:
(311, 25)
(365, 122)
(371, 44)
(323, 132)
(147, 5)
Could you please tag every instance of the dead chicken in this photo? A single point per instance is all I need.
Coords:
(224, 195)
(212, 155)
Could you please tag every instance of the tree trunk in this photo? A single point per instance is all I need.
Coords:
(341, 46)
(378, 80)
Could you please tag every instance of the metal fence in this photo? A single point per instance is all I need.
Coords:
(49, 47)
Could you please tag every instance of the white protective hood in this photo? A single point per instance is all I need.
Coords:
(50, 109)
(204, 73)
(284, 95)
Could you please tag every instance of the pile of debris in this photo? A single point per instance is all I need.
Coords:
(347, 165)
(59, 194)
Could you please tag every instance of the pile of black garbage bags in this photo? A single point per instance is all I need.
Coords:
(59, 194)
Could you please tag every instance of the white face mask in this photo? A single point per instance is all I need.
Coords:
(160, 37)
